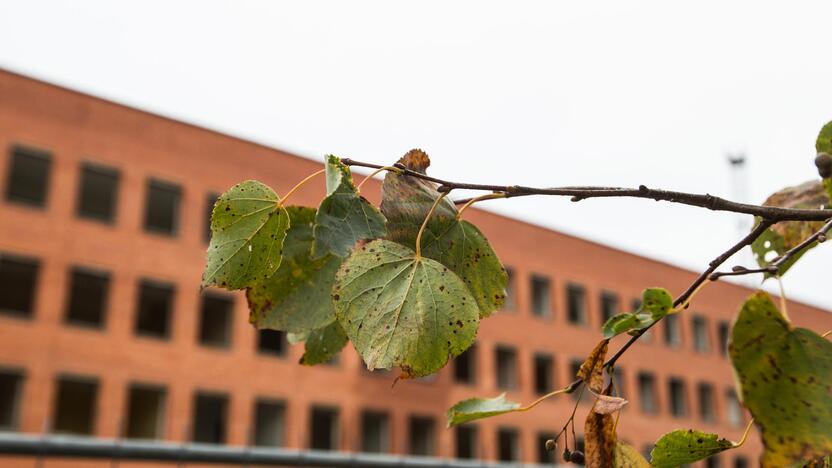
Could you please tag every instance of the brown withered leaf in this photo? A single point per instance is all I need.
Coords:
(599, 439)
(808, 195)
(607, 404)
(592, 370)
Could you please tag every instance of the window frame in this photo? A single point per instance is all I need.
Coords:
(100, 169)
(31, 152)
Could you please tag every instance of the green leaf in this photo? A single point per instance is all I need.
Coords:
(459, 245)
(686, 446)
(344, 216)
(296, 298)
(655, 304)
(785, 235)
(324, 344)
(466, 252)
(625, 456)
(248, 227)
(784, 377)
(824, 142)
(399, 310)
(406, 200)
(479, 408)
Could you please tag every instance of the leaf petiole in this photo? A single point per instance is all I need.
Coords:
(744, 434)
(425, 223)
(374, 173)
(487, 196)
(298, 186)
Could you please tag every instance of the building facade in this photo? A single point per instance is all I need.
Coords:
(104, 330)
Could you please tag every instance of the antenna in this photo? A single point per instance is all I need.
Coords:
(739, 187)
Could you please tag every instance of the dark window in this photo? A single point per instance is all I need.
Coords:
(28, 180)
(465, 366)
(545, 457)
(576, 304)
(672, 331)
(740, 462)
(75, 405)
(98, 193)
(511, 292)
(87, 297)
(210, 200)
(269, 423)
(210, 418)
(18, 277)
(11, 387)
(609, 306)
(544, 373)
(724, 331)
(713, 462)
(161, 213)
(733, 410)
(155, 304)
(647, 450)
(375, 432)
(324, 429)
(271, 342)
(466, 442)
(701, 340)
(215, 319)
(678, 398)
(541, 298)
(145, 412)
(422, 434)
(647, 397)
(506, 367)
(508, 445)
(618, 375)
(705, 395)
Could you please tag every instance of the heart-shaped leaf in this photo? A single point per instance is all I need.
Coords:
(478, 408)
(248, 226)
(784, 376)
(686, 446)
(655, 304)
(402, 310)
(344, 216)
(823, 144)
(297, 297)
(785, 235)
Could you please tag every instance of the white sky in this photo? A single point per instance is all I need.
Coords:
(531, 93)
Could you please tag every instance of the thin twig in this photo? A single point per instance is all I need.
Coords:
(685, 296)
(708, 201)
(774, 266)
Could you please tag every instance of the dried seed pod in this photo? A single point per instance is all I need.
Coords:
(577, 457)
(551, 445)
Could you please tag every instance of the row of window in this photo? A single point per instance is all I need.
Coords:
(28, 183)
(87, 300)
(544, 381)
(76, 400)
(577, 313)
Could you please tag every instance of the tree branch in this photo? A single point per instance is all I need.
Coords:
(774, 266)
(708, 201)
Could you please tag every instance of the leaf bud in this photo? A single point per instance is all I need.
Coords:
(823, 161)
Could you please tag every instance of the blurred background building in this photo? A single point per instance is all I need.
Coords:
(104, 332)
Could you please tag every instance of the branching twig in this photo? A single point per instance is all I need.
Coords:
(774, 266)
(708, 201)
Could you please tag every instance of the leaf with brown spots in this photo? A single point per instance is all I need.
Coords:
(297, 297)
(248, 226)
(686, 446)
(785, 379)
(785, 235)
(323, 344)
(592, 370)
(599, 438)
(402, 310)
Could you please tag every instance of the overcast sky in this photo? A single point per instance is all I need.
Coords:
(532, 93)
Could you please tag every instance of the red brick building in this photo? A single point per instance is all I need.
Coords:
(104, 331)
